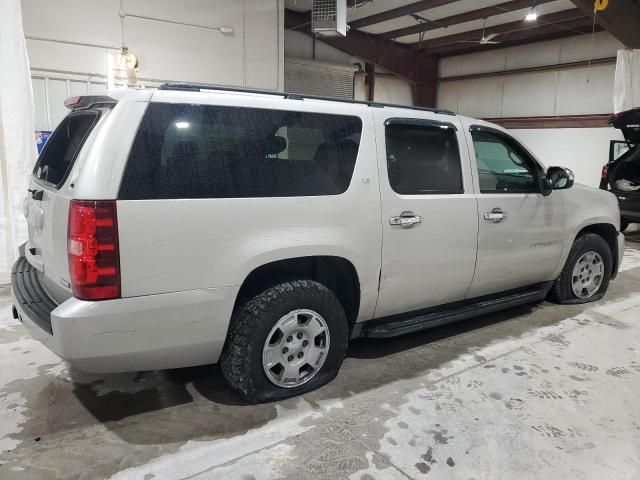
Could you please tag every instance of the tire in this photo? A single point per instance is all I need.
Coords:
(252, 324)
(624, 224)
(562, 290)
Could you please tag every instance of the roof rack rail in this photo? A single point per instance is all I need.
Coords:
(197, 87)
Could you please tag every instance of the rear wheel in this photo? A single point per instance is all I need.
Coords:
(285, 341)
(586, 274)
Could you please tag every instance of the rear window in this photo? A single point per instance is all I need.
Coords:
(62, 148)
(201, 151)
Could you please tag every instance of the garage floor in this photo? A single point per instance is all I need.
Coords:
(537, 392)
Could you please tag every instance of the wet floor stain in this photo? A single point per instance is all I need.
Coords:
(420, 404)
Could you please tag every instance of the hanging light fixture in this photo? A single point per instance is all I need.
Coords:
(532, 14)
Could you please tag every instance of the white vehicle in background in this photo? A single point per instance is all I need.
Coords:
(193, 225)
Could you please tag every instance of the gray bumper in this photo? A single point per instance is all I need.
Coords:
(169, 330)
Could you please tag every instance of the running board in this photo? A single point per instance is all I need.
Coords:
(434, 317)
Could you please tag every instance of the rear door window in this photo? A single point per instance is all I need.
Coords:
(62, 148)
(201, 151)
(422, 158)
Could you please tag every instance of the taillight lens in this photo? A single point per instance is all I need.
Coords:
(605, 171)
(92, 245)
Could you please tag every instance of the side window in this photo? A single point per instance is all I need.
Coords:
(61, 150)
(201, 151)
(503, 166)
(423, 159)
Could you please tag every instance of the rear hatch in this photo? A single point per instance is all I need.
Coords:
(623, 174)
(49, 195)
(629, 124)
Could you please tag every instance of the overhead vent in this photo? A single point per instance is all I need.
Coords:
(329, 17)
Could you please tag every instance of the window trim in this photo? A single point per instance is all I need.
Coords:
(425, 123)
(419, 122)
(509, 140)
(96, 114)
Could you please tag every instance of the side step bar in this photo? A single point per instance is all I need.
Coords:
(434, 317)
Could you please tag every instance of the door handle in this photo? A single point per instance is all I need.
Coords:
(496, 215)
(405, 220)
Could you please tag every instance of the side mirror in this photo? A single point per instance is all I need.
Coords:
(560, 178)
(544, 185)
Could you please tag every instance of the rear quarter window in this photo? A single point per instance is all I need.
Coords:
(202, 151)
(62, 148)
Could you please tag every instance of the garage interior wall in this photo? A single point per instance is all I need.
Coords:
(561, 91)
(173, 41)
(388, 88)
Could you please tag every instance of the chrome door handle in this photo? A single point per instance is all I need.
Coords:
(405, 220)
(496, 215)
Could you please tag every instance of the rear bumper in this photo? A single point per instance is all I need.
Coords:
(169, 330)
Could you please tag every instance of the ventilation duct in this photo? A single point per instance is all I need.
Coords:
(329, 17)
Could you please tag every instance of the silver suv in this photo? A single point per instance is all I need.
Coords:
(194, 225)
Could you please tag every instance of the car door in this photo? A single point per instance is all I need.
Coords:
(429, 213)
(521, 231)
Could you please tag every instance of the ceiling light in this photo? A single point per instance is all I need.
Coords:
(182, 125)
(532, 14)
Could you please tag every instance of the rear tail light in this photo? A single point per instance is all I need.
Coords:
(92, 245)
(605, 172)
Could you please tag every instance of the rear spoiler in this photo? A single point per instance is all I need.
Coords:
(86, 102)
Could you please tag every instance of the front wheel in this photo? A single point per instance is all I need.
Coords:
(285, 341)
(586, 274)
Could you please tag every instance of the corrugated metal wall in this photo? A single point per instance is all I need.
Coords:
(318, 78)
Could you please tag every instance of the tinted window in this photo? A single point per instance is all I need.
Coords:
(61, 149)
(503, 166)
(198, 151)
(423, 159)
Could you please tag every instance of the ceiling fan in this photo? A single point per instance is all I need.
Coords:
(485, 40)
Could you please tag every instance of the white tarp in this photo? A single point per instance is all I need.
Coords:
(626, 86)
(17, 141)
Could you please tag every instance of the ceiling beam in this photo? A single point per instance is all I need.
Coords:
(621, 18)
(398, 12)
(445, 22)
(418, 67)
(549, 20)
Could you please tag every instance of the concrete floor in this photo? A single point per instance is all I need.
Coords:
(538, 392)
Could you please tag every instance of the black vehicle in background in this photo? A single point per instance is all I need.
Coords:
(621, 175)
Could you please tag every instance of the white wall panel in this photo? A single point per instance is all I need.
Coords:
(66, 57)
(176, 42)
(40, 103)
(390, 89)
(448, 95)
(585, 90)
(572, 49)
(481, 62)
(529, 94)
(480, 98)
(261, 44)
(583, 47)
(171, 51)
(198, 12)
(57, 90)
(86, 21)
(583, 150)
(525, 56)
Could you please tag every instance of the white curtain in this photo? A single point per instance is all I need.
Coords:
(17, 141)
(626, 86)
